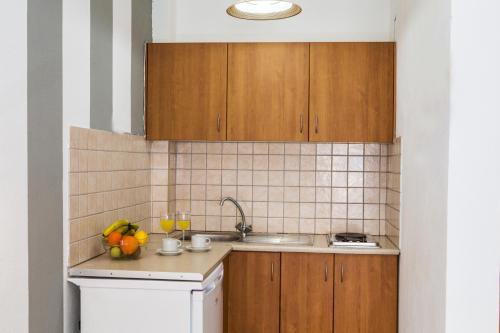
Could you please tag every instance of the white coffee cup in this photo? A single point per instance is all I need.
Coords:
(200, 241)
(171, 244)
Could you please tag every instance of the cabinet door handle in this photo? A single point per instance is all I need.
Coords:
(316, 124)
(341, 273)
(272, 271)
(218, 122)
(326, 272)
(301, 123)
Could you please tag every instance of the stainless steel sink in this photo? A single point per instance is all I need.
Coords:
(274, 239)
(215, 236)
(279, 239)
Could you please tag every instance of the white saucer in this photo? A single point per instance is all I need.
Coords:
(198, 249)
(169, 253)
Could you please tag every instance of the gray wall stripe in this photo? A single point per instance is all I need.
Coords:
(101, 64)
(141, 33)
(45, 167)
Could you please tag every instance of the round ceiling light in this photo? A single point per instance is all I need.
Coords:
(263, 9)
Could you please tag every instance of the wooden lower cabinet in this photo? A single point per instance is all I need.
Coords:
(306, 293)
(365, 298)
(288, 292)
(253, 292)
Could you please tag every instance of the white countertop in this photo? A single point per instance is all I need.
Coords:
(197, 266)
(187, 266)
(320, 245)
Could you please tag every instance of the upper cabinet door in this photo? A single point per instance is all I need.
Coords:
(186, 91)
(366, 293)
(268, 87)
(352, 92)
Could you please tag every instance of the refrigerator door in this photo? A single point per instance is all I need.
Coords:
(206, 307)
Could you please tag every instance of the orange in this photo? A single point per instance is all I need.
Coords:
(129, 245)
(114, 238)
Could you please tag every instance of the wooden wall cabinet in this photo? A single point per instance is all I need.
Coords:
(306, 293)
(253, 292)
(352, 92)
(268, 87)
(186, 91)
(333, 92)
(365, 298)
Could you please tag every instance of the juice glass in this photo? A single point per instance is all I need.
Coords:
(183, 222)
(167, 223)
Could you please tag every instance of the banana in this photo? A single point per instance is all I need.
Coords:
(113, 226)
(123, 229)
(134, 226)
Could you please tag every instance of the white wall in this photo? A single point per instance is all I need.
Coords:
(448, 115)
(76, 63)
(122, 62)
(76, 112)
(422, 35)
(321, 20)
(14, 303)
(472, 292)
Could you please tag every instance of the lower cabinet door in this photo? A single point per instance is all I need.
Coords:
(253, 292)
(365, 294)
(306, 293)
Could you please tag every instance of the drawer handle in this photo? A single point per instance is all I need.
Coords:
(301, 123)
(218, 122)
(272, 271)
(341, 273)
(316, 124)
(326, 272)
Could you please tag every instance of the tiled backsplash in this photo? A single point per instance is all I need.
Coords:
(110, 177)
(284, 187)
(393, 192)
(162, 181)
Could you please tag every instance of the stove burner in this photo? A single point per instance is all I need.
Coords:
(350, 237)
(352, 240)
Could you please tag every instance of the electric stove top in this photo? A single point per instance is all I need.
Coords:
(352, 240)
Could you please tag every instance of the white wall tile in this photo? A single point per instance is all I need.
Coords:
(229, 148)
(289, 187)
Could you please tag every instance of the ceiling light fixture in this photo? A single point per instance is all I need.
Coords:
(263, 9)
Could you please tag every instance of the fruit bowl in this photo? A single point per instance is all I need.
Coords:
(124, 240)
(115, 251)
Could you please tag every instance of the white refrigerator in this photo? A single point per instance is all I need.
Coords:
(142, 305)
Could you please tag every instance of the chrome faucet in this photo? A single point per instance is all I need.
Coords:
(242, 227)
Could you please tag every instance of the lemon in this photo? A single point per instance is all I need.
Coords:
(141, 236)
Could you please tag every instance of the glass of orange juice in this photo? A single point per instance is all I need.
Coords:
(183, 222)
(167, 222)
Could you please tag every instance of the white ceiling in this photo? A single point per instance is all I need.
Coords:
(321, 20)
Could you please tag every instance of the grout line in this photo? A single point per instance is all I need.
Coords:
(315, 199)
(347, 193)
(363, 194)
(206, 181)
(331, 188)
(379, 185)
(300, 196)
